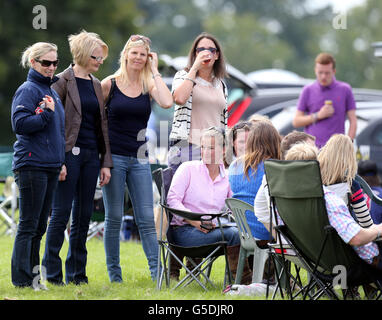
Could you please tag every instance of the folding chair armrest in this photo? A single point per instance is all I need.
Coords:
(279, 227)
(366, 188)
(329, 229)
(195, 216)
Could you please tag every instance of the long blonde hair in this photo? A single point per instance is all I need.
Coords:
(337, 159)
(146, 74)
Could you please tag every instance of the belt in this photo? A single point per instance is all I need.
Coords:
(375, 261)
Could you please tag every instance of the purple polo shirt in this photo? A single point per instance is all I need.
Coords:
(192, 189)
(313, 97)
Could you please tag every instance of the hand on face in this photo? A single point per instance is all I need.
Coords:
(203, 58)
(207, 57)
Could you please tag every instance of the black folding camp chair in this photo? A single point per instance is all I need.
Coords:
(296, 192)
(207, 253)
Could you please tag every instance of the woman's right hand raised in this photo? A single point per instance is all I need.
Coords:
(201, 59)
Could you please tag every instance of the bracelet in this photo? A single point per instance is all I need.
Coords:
(378, 235)
(157, 75)
(192, 80)
(315, 117)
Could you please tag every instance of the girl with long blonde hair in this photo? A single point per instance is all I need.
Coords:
(338, 167)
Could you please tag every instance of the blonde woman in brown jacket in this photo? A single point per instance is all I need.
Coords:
(87, 155)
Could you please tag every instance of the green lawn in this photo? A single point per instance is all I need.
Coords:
(137, 282)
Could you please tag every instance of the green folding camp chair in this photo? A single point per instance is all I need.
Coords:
(296, 192)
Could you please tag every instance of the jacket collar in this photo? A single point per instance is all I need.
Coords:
(36, 76)
(72, 89)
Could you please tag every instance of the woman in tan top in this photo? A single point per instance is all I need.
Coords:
(200, 96)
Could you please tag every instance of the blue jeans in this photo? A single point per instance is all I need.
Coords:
(76, 195)
(36, 189)
(189, 236)
(139, 183)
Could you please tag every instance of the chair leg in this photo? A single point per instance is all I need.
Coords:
(236, 262)
(259, 258)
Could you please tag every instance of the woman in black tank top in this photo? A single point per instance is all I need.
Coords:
(127, 94)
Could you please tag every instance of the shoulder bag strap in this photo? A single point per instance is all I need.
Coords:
(111, 93)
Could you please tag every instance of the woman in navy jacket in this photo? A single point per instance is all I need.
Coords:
(38, 121)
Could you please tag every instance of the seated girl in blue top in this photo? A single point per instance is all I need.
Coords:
(246, 172)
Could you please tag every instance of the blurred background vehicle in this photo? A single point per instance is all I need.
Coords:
(277, 78)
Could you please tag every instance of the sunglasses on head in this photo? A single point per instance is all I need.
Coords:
(211, 49)
(216, 129)
(47, 63)
(241, 125)
(98, 59)
(137, 37)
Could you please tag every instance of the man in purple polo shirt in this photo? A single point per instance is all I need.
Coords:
(324, 105)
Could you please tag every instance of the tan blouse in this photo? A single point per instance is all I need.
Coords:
(208, 103)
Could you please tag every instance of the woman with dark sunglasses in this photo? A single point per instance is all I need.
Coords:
(128, 94)
(38, 120)
(87, 155)
(200, 98)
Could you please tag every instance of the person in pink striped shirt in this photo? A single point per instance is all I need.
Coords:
(338, 166)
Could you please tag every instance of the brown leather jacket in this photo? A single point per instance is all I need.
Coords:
(66, 88)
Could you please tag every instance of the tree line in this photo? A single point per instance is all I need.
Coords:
(254, 34)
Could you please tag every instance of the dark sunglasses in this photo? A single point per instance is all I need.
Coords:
(211, 49)
(137, 37)
(98, 59)
(47, 63)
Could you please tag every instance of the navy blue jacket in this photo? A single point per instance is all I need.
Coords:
(40, 137)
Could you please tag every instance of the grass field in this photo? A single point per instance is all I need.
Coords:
(137, 283)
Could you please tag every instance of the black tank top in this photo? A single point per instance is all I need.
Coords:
(127, 118)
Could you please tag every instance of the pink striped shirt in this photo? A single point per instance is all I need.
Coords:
(192, 189)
